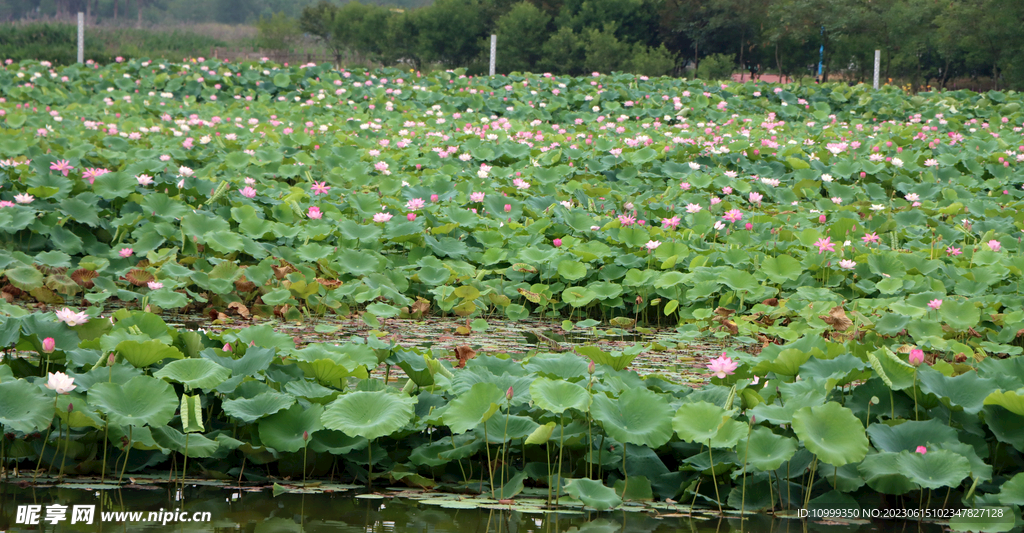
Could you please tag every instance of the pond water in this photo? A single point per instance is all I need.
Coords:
(222, 509)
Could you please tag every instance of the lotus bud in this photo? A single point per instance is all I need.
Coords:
(71, 407)
(227, 347)
(508, 208)
(508, 394)
(305, 435)
(433, 197)
(591, 367)
(921, 450)
(916, 356)
(410, 217)
(111, 358)
(557, 242)
(49, 345)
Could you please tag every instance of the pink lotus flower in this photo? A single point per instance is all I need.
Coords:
(49, 345)
(60, 382)
(155, 285)
(433, 198)
(669, 223)
(755, 197)
(227, 347)
(693, 208)
(63, 166)
(994, 245)
(916, 356)
(935, 304)
(24, 198)
(921, 450)
(953, 251)
(556, 242)
(825, 244)
(847, 264)
(144, 179)
(319, 187)
(733, 215)
(410, 217)
(627, 220)
(125, 252)
(314, 213)
(476, 197)
(414, 204)
(248, 192)
(72, 318)
(722, 366)
(382, 217)
(871, 238)
(508, 208)
(652, 245)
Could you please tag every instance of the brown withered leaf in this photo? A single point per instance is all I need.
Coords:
(16, 292)
(242, 284)
(772, 302)
(239, 308)
(837, 319)
(721, 311)
(138, 277)
(329, 283)
(84, 277)
(728, 324)
(420, 306)
(973, 333)
(464, 353)
(282, 270)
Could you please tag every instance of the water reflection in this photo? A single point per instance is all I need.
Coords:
(262, 512)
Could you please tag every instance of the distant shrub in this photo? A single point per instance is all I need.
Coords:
(716, 67)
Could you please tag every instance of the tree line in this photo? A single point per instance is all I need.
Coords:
(921, 41)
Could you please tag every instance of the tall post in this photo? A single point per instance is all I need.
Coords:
(81, 37)
(494, 52)
(878, 63)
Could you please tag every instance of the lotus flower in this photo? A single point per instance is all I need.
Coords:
(72, 318)
(921, 450)
(722, 366)
(60, 382)
(916, 356)
(49, 345)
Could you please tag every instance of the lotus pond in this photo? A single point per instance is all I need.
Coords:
(862, 248)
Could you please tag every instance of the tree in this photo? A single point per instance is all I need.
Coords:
(564, 52)
(451, 31)
(277, 32)
(522, 33)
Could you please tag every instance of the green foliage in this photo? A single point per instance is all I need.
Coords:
(277, 32)
(716, 67)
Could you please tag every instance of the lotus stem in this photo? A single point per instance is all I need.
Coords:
(490, 471)
(504, 449)
(369, 464)
(465, 479)
(714, 480)
(561, 450)
(746, 453)
(67, 442)
(127, 452)
(106, 444)
(810, 482)
(625, 475)
(184, 463)
(305, 448)
(916, 416)
(47, 438)
(547, 459)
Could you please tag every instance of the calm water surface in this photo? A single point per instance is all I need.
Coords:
(262, 512)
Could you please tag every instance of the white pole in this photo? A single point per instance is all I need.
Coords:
(81, 37)
(878, 62)
(494, 51)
